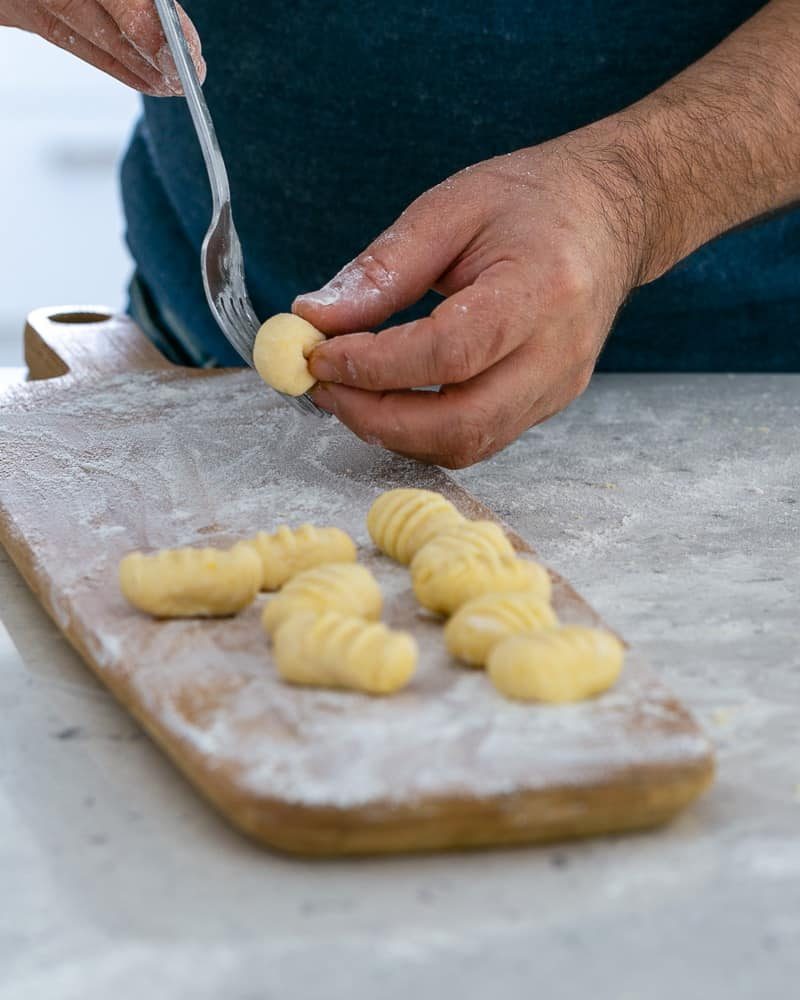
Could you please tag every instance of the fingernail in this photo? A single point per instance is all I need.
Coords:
(166, 66)
(169, 71)
(323, 397)
(328, 295)
(166, 63)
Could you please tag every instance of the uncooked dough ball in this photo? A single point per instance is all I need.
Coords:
(335, 650)
(279, 354)
(569, 663)
(189, 583)
(443, 585)
(288, 551)
(347, 588)
(401, 521)
(477, 626)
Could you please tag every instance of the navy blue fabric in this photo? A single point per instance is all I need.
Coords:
(334, 115)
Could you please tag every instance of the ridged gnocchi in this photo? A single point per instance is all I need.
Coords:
(280, 351)
(444, 584)
(289, 551)
(466, 538)
(189, 583)
(477, 627)
(347, 588)
(567, 663)
(342, 651)
(401, 521)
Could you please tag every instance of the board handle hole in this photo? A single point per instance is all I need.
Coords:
(80, 317)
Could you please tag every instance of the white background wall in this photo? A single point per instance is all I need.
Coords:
(63, 126)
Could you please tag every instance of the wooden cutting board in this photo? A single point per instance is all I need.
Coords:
(122, 450)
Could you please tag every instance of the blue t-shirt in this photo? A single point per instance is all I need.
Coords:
(333, 115)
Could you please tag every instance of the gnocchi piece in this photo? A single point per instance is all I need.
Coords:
(280, 351)
(347, 588)
(567, 663)
(477, 626)
(288, 551)
(401, 521)
(444, 585)
(343, 651)
(190, 583)
(467, 538)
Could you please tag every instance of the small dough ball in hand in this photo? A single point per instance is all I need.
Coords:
(288, 551)
(347, 588)
(342, 651)
(401, 521)
(282, 346)
(191, 583)
(569, 663)
(477, 627)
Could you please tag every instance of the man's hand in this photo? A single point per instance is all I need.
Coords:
(121, 37)
(535, 251)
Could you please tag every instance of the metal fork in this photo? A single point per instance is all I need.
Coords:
(221, 260)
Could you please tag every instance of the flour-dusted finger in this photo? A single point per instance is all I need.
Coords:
(464, 335)
(34, 17)
(140, 25)
(397, 269)
(454, 427)
(72, 24)
(462, 424)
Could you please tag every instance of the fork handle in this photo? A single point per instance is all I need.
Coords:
(201, 116)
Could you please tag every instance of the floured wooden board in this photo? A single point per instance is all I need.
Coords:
(93, 466)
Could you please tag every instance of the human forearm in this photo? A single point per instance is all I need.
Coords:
(717, 145)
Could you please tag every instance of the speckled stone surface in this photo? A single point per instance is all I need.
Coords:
(672, 503)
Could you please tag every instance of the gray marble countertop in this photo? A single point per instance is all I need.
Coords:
(673, 504)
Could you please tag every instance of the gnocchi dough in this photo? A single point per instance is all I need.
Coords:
(189, 583)
(401, 521)
(477, 626)
(288, 551)
(347, 588)
(568, 663)
(280, 351)
(343, 651)
(444, 584)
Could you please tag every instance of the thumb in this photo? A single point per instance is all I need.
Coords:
(395, 270)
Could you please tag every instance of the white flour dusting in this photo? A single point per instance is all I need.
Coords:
(351, 285)
(156, 460)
